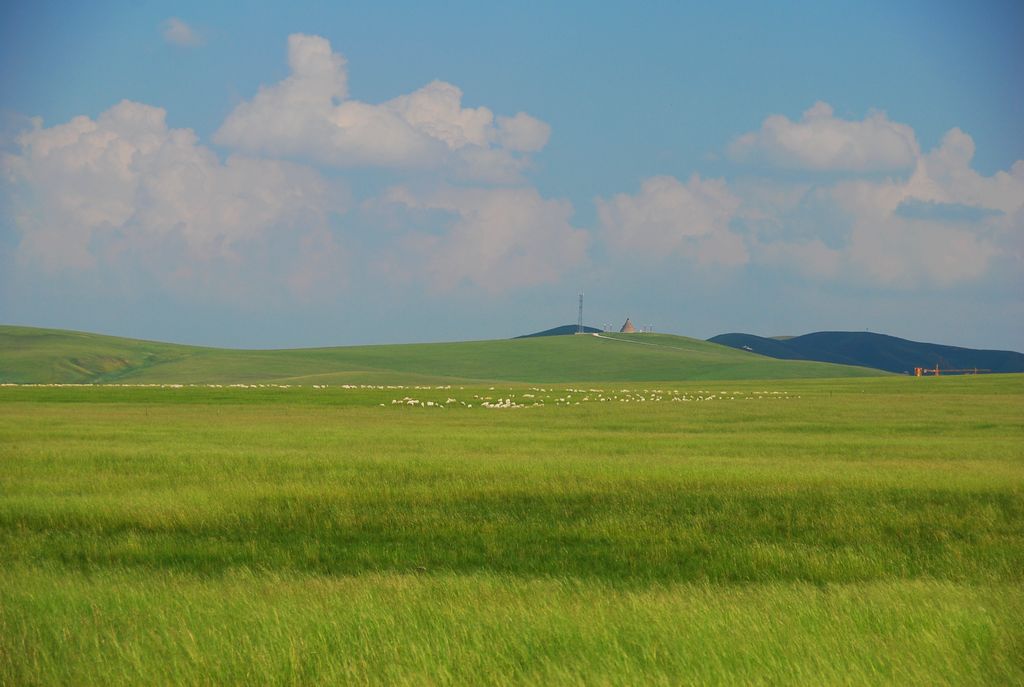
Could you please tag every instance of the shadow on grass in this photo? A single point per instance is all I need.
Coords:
(641, 535)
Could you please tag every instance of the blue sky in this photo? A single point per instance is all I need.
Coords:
(318, 174)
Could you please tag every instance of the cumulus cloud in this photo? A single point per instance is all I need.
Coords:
(493, 239)
(523, 133)
(309, 115)
(945, 175)
(668, 217)
(822, 142)
(943, 225)
(127, 189)
(177, 32)
(973, 219)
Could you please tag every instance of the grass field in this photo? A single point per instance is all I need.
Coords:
(802, 531)
(56, 356)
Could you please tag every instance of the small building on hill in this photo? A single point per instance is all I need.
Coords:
(627, 328)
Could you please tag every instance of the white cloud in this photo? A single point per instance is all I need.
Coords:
(126, 189)
(492, 239)
(822, 142)
(309, 115)
(436, 110)
(523, 133)
(943, 225)
(668, 217)
(177, 32)
(944, 175)
(892, 248)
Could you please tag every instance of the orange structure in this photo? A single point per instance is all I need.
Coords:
(937, 371)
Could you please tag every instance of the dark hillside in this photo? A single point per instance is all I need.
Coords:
(773, 348)
(879, 351)
(564, 330)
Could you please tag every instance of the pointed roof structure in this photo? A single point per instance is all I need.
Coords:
(627, 328)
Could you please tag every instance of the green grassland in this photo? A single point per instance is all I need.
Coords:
(58, 356)
(796, 531)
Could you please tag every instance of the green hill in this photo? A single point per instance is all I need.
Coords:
(30, 355)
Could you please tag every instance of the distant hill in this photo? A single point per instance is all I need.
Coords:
(878, 351)
(564, 330)
(30, 355)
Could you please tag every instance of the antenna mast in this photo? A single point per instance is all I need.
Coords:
(579, 324)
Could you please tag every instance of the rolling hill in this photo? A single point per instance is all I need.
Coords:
(31, 355)
(878, 351)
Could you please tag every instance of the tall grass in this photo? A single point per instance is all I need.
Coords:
(267, 628)
(856, 531)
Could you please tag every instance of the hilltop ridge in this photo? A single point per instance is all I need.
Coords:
(31, 355)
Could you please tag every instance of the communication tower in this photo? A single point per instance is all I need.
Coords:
(579, 322)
